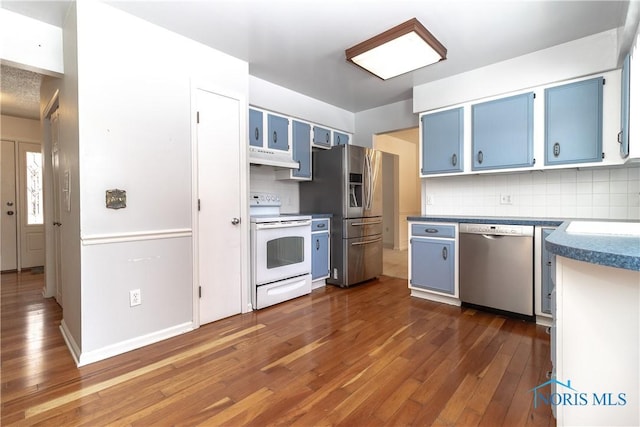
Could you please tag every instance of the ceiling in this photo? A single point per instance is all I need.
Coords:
(299, 44)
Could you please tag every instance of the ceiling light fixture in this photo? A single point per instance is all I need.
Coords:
(397, 51)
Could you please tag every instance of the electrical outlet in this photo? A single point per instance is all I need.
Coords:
(505, 199)
(135, 297)
(429, 199)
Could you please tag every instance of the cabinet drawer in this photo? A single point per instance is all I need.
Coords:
(320, 225)
(433, 230)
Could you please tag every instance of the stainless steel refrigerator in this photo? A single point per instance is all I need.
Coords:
(347, 183)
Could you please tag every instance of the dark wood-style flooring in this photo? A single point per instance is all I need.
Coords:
(366, 356)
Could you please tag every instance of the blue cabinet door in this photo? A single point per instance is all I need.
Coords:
(278, 132)
(340, 138)
(302, 149)
(502, 133)
(255, 128)
(548, 273)
(320, 255)
(321, 136)
(432, 264)
(442, 139)
(573, 123)
(623, 138)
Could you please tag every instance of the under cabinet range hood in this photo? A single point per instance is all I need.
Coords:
(266, 156)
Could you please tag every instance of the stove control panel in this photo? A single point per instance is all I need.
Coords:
(264, 199)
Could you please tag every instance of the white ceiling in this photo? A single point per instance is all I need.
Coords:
(299, 44)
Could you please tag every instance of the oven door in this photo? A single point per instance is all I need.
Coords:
(280, 250)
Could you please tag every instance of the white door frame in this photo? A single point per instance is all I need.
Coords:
(202, 84)
(50, 249)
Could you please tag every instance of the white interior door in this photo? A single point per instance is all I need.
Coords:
(9, 222)
(55, 169)
(219, 232)
(30, 199)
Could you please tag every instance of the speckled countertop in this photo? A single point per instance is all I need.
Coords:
(542, 222)
(608, 250)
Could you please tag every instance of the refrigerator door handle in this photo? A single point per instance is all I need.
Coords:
(365, 223)
(366, 242)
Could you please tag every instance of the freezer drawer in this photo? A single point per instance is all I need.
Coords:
(363, 258)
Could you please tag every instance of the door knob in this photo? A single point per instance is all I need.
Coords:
(9, 213)
(235, 221)
(9, 203)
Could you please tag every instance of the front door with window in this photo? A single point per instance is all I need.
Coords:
(31, 205)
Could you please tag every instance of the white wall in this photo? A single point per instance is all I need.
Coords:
(387, 118)
(30, 44)
(603, 193)
(267, 95)
(263, 179)
(134, 130)
(574, 59)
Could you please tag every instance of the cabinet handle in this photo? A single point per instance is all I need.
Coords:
(556, 149)
(338, 139)
(327, 138)
(620, 137)
(445, 253)
(257, 133)
(317, 244)
(322, 225)
(431, 230)
(275, 137)
(454, 159)
(480, 157)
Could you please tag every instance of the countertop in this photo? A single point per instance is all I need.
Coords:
(543, 222)
(607, 250)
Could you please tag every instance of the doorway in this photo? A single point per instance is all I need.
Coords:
(402, 195)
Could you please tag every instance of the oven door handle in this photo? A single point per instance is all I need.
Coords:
(366, 242)
(285, 224)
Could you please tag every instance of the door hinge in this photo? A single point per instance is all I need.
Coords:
(603, 154)
(197, 116)
(199, 291)
(534, 95)
(198, 205)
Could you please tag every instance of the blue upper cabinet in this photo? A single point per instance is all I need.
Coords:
(573, 122)
(623, 137)
(302, 149)
(442, 141)
(340, 138)
(502, 133)
(278, 132)
(255, 128)
(321, 136)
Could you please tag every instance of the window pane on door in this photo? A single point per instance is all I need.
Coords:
(34, 188)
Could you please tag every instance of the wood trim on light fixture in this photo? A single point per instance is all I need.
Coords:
(400, 30)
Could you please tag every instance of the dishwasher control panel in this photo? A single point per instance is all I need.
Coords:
(497, 229)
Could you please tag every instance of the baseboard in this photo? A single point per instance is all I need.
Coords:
(93, 356)
(73, 347)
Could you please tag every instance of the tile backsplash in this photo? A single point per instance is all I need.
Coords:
(263, 179)
(599, 193)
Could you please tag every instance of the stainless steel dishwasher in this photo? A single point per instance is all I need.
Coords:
(496, 267)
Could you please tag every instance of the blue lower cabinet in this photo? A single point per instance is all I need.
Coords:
(319, 255)
(432, 265)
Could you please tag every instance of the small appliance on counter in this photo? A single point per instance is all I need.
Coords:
(280, 252)
(347, 182)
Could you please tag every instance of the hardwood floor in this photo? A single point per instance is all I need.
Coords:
(365, 356)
